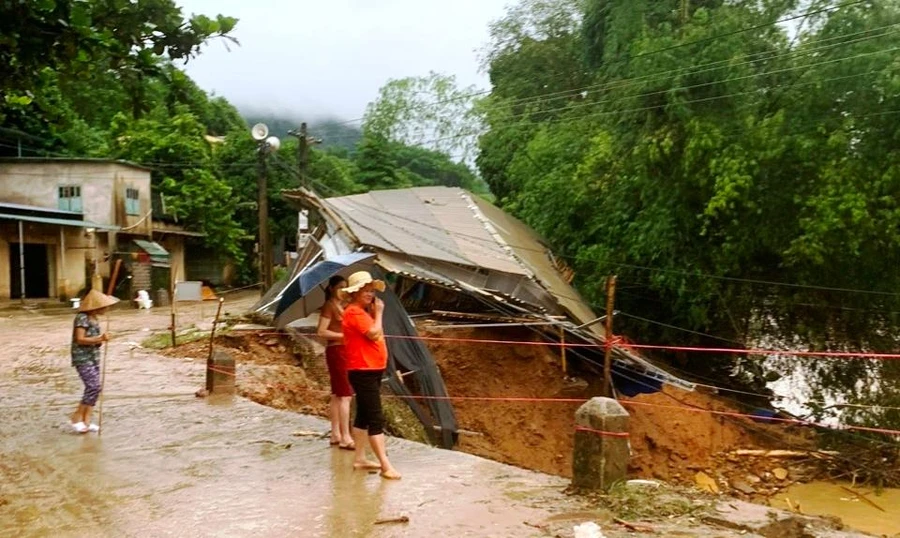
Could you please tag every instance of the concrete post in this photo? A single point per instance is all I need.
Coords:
(601, 450)
(220, 377)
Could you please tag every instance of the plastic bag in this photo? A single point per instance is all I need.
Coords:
(588, 530)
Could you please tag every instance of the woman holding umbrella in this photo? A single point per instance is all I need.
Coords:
(367, 356)
(341, 393)
(87, 338)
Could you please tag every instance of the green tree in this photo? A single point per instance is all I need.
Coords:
(428, 111)
(676, 140)
(65, 35)
(184, 175)
(377, 164)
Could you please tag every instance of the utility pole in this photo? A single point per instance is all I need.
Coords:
(607, 362)
(265, 267)
(265, 144)
(304, 143)
(303, 155)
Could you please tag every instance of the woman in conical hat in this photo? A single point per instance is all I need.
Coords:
(87, 339)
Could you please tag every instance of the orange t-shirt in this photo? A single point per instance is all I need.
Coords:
(361, 352)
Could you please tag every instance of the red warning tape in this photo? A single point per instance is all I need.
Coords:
(616, 342)
(601, 433)
(626, 403)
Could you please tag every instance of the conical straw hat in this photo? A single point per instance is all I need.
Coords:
(94, 300)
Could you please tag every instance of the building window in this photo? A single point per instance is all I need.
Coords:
(70, 198)
(132, 201)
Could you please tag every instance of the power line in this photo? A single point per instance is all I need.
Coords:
(544, 251)
(627, 58)
(522, 120)
(684, 72)
(698, 333)
(757, 281)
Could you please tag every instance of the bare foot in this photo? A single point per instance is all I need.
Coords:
(366, 465)
(390, 474)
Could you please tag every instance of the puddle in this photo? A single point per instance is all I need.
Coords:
(830, 499)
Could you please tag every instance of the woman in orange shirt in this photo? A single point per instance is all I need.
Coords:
(366, 354)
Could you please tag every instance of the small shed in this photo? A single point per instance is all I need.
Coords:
(150, 266)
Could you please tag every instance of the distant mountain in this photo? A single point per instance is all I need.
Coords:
(334, 133)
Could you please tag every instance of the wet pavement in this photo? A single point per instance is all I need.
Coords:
(171, 464)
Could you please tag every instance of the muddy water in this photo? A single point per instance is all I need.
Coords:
(829, 499)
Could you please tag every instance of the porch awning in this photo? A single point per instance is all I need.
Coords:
(59, 222)
(158, 255)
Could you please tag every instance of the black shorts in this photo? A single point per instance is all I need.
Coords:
(367, 385)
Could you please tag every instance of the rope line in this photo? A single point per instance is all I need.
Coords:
(524, 399)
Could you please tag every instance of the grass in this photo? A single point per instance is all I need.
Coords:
(400, 421)
(163, 340)
(640, 502)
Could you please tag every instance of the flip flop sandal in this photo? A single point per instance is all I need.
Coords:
(347, 447)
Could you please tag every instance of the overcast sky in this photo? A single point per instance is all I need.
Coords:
(311, 59)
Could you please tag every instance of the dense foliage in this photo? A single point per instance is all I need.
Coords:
(703, 152)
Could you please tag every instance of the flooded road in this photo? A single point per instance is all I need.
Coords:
(832, 499)
(171, 464)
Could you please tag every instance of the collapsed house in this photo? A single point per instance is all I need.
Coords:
(449, 254)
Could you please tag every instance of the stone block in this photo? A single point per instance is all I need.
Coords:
(600, 457)
(221, 375)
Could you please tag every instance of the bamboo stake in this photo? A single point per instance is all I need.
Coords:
(172, 273)
(562, 350)
(103, 381)
(607, 362)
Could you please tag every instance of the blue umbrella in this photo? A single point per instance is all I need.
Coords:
(306, 294)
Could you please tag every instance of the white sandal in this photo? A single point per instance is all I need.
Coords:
(79, 427)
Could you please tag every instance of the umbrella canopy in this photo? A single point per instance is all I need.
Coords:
(306, 294)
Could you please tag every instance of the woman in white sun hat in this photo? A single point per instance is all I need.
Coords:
(366, 355)
(87, 339)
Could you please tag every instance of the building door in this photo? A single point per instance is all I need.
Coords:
(37, 271)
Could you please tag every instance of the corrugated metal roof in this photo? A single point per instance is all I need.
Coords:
(450, 225)
(49, 212)
(157, 253)
(58, 222)
(529, 249)
(430, 222)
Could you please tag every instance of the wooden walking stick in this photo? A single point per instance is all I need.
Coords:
(102, 381)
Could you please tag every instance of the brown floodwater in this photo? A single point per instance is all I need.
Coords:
(830, 499)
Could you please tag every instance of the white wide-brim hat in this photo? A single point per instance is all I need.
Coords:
(359, 279)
